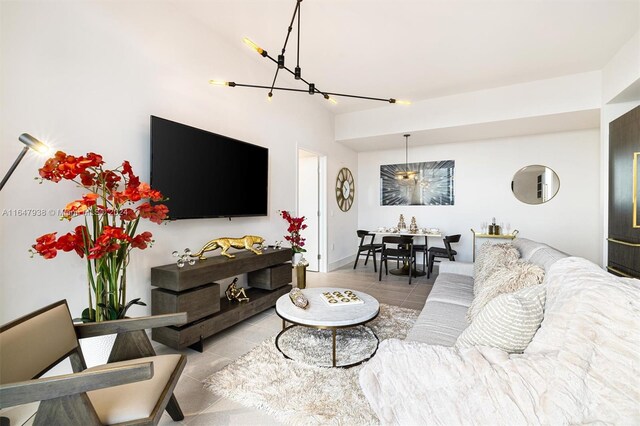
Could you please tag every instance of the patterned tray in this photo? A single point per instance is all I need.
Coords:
(341, 298)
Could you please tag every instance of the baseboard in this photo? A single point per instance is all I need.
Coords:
(349, 260)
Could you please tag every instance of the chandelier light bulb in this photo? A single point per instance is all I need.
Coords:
(399, 102)
(253, 45)
(219, 82)
(330, 99)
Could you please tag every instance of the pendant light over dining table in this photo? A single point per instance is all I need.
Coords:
(297, 72)
(407, 176)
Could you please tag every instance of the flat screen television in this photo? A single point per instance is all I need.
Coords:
(207, 175)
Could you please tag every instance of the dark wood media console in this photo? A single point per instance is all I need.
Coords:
(192, 290)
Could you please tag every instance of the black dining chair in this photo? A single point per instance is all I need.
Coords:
(397, 248)
(444, 252)
(367, 248)
(422, 248)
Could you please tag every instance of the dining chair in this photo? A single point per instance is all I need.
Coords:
(443, 252)
(422, 248)
(397, 248)
(367, 248)
(129, 389)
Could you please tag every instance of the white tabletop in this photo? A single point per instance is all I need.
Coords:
(319, 313)
(420, 234)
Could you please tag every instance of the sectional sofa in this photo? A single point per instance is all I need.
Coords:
(582, 366)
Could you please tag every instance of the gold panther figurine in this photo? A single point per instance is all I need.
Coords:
(247, 242)
(236, 293)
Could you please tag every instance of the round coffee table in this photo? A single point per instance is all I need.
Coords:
(320, 315)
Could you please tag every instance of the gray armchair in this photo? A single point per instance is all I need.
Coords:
(133, 388)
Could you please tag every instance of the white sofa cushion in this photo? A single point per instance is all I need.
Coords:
(527, 247)
(508, 322)
(547, 257)
(505, 278)
(453, 288)
(447, 266)
(439, 323)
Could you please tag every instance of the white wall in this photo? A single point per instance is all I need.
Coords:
(484, 169)
(86, 76)
(550, 97)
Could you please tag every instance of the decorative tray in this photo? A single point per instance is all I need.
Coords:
(341, 298)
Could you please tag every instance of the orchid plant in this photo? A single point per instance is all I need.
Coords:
(114, 203)
(296, 224)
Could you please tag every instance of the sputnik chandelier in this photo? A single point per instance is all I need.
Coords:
(297, 72)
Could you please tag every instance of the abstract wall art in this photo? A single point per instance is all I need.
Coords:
(417, 184)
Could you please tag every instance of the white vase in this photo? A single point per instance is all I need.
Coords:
(296, 258)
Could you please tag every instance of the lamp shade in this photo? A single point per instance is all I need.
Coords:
(33, 143)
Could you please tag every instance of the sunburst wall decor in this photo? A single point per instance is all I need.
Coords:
(432, 185)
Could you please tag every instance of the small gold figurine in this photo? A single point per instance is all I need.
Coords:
(235, 293)
(401, 224)
(247, 242)
(413, 228)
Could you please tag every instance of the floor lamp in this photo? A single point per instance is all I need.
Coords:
(31, 143)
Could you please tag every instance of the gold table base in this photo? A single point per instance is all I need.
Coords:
(333, 339)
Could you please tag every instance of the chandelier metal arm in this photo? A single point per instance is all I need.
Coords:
(369, 98)
(296, 11)
(298, 44)
(316, 90)
(257, 86)
(280, 61)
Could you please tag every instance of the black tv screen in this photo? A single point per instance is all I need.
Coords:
(205, 174)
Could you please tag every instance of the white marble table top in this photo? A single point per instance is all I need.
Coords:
(320, 314)
(419, 234)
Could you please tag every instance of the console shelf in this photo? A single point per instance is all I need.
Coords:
(191, 289)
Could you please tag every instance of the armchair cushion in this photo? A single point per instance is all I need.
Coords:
(137, 400)
(20, 415)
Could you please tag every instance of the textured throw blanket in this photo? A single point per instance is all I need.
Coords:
(583, 365)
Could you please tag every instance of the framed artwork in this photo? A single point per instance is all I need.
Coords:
(417, 184)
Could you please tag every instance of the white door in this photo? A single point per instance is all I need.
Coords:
(308, 205)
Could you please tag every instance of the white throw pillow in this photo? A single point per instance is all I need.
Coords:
(505, 278)
(489, 257)
(508, 322)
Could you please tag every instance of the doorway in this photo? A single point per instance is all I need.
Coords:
(310, 190)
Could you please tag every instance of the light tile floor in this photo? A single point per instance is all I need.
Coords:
(202, 407)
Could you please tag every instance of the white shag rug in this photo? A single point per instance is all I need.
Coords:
(299, 393)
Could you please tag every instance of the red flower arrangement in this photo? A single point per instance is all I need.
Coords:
(111, 219)
(296, 224)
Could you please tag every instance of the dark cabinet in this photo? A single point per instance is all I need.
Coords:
(191, 289)
(624, 196)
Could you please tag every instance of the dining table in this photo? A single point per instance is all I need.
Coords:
(405, 267)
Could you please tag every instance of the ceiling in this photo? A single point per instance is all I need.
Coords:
(420, 49)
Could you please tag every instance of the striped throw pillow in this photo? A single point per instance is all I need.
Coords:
(505, 279)
(507, 322)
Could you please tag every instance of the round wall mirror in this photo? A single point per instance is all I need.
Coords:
(535, 184)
